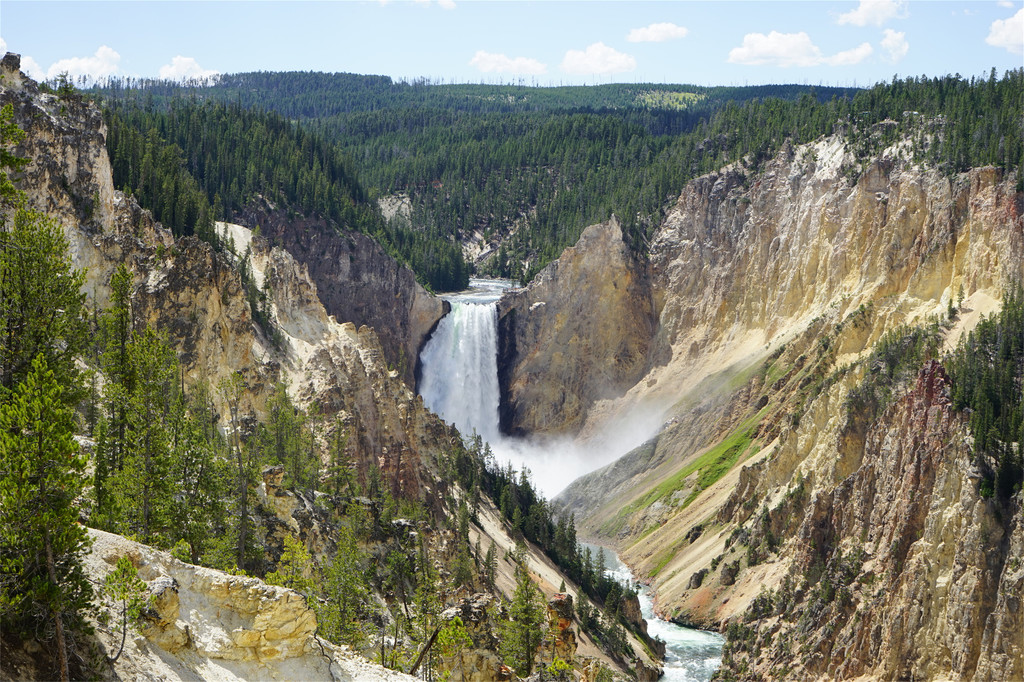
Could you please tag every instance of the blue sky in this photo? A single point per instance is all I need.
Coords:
(552, 42)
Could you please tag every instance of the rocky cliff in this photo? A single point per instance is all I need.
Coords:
(902, 571)
(760, 494)
(357, 282)
(196, 296)
(579, 333)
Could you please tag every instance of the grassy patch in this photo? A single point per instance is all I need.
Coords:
(663, 99)
(776, 371)
(712, 465)
(662, 559)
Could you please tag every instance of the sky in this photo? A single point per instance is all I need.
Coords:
(552, 42)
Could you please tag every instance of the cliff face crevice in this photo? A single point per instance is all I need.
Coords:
(579, 333)
(357, 282)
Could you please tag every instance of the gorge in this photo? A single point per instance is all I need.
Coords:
(791, 404)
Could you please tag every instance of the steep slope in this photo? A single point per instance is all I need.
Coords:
(770, 288)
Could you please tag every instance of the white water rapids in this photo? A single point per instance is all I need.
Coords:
(690, 655)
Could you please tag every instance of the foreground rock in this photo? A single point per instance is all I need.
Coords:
(206, 624)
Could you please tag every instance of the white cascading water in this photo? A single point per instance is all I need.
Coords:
(459, 381)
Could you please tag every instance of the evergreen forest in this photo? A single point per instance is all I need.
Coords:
(527, 168)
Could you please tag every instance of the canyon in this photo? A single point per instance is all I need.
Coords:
(757, 493)
(208, 623)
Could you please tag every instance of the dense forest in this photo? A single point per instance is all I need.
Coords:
(192, 163)
(530, 167)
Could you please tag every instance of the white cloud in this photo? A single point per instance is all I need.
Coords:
(895, 45)
(184, 68)
(105, 62)
(791, 49)
(776, 49)
(498, 63)
(849, 57)
(1008, 33)
(597, 59)
(446, 4)
(657, 33)
(1008, 4)
(32, 68)
(874, 12)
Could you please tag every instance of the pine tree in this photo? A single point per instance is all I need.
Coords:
(230, 389)
(41, 304)
(345, 593)
(295, 570)
(43, 589)
(490, 566)
(10, 135)
(522, 633)
(339, 475)
(128, 591)
(199, 470)
(143, 486)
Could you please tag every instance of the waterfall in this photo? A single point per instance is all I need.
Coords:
(459, 379)
(459, 382)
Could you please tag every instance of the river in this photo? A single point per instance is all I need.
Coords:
(690, 655)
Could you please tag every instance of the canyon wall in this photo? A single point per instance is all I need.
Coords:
(196, 296)
(578, 333)
(760, 494)
(356, 282)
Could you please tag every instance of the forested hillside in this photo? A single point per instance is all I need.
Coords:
(191, 162)
(523, 170)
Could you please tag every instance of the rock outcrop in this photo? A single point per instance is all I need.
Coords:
(577, 334)
(357, 282)
(478, 662)
(205, 624)
(562, 639)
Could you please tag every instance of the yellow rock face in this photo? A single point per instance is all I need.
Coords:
(578, 334)
(800, 257)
